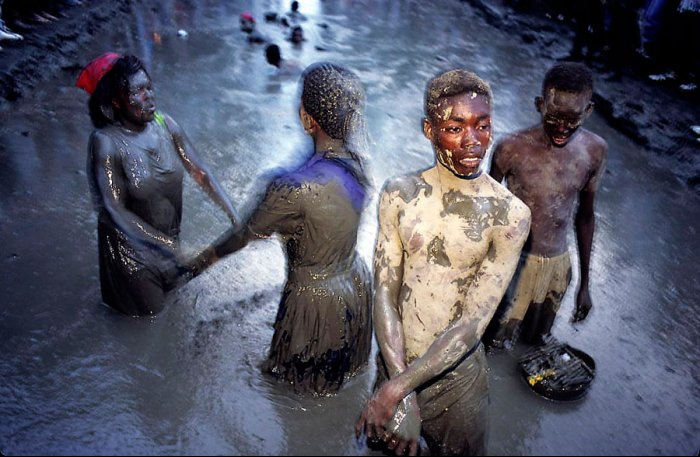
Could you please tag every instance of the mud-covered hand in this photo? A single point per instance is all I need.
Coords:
(404, 428)
(378, 412)
(201, 262)
(583, 305)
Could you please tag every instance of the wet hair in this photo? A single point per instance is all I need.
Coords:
(295, 6)
(333, 95)
(451, 83)
(273, 55)
(296, 31)
(569, 77)
(110, 86)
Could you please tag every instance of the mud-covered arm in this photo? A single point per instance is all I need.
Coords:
(111, 185)
(492, 277)
(396, 421)
(279, 212)
(585, 229)
(199, 171)
(388, 278)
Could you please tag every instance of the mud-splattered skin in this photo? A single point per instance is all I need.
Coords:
(551, 167)
(448, 244)
(135, 169)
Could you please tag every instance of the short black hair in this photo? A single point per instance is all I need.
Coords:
(453, 82)
(569, 77)
(110, 86)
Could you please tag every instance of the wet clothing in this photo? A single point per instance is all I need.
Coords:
(323, 326)
(533, 298)
(133, 274)
(454, 407)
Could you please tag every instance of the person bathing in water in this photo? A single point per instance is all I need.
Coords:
(449, 241)
(137, 158)
(322, 333)
(552, 167)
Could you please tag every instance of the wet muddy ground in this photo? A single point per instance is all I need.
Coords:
(78, 378)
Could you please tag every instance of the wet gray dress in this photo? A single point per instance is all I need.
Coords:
(134, 275)
(323, 327)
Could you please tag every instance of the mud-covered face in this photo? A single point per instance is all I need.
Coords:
(137, 101)
(460, 130)
(562, 114)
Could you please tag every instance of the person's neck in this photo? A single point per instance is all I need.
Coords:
(132, 127)
(449, 181)
(542, 138)
(324, 144)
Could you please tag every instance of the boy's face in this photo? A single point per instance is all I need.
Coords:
(460, 131)
(562, 114)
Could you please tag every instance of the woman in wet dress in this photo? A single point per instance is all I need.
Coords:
(322, 333)
(137, 158)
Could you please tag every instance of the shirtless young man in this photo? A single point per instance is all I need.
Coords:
(449, 241)
(550, 167)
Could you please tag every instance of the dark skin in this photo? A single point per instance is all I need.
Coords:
(460, 131)
(552, 167)
(134, 111)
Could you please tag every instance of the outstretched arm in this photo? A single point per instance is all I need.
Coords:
(199, 170)
(233, 240)
(111, 184)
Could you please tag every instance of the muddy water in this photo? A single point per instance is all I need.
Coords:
(78, 378)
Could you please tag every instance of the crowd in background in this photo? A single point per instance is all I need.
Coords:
(658, 37)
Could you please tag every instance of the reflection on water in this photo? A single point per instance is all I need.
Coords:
(78, 378)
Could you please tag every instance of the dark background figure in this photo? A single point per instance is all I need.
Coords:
(248, 26)
(296, 35)
(323, 327)
(136, 162)
(283, 67)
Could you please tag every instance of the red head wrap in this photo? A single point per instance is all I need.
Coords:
(247, 16)
(93, 72)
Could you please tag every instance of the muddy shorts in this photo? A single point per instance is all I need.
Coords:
(454, 408)
(533, 298)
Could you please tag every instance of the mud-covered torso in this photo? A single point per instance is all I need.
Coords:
(153, 175)
(317, 211)
(445, 234)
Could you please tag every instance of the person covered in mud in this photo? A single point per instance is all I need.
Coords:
(322, 333)
(137, 157)
(449, 241)
(552, 167)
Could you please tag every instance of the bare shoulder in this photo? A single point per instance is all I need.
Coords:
(101, 144)
(514, 142)
(408, 188)
(516, 207)
(596, 146)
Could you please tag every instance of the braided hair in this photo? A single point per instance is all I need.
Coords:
(333, 95)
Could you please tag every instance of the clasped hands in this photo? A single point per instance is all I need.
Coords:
(396, 421)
